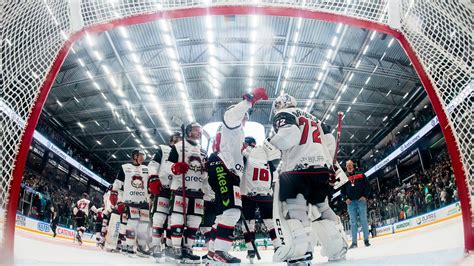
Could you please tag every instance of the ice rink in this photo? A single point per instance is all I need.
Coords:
(439, 244)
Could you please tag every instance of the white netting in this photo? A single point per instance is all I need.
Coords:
(33, 33)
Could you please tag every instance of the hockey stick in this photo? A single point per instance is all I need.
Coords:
(184, 186)
(248, 231)
(338, 138)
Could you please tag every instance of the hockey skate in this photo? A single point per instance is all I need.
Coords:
(130, 251)
(157, 253)
(78, 238)
(303, 260)
(173, 254)
(223, 258)
(208, 257)
(251, 255)
(142, 252)
(187, 256)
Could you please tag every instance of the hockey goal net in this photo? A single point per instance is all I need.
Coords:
(37, 35)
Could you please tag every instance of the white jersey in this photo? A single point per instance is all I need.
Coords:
(107, 204)
(195, 159)
(230, 136)
(209, 194)
(83, 205)
(257, 177)
(302, 140)
(132, 180)
(160, 166)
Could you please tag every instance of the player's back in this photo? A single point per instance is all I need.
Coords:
(309, 151)
(83, 205)
(257, 178)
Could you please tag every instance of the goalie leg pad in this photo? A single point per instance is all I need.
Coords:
(130, 232)
(143, 227)
(113, 232)
(332, 237)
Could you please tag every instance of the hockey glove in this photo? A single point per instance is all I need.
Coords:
(179, 168)
(120, 208)
(154, 185)
(256, 95)
(113, 197)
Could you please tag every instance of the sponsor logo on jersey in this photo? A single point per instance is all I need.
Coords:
(163, 204)
(194, 178)
(195, 163)
(221, 178)
(136, 193)
(137, 182)
(198, 205)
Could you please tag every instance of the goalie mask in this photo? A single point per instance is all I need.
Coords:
(284, 101)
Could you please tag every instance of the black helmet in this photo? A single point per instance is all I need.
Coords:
(189, 127)
(84, 195)
(250, 141)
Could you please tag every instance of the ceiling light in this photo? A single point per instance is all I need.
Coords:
(209, 22)
(97, 55)
(355, 100)
(334, 41)
(367, 81)
(353, 151)
(98, 142)
(167, 39)
(311, 95)
(328, 116)
(344, 88)
(103, 95)
(325, 64)
(59, 103)
(320, 76)
(123, 122)
(296, 36)
(332, 108)
(338, 98)
(174, 65)
(113, 155)
(123, 32)
(89, 74)
(300, 21)
(114, 141)
(372, 36)
(406, 94)
(368, 117)
(97, 123)
(106, 69)
(352, 136)
(426, 106)
(365, 49)
(80, 125)
(81, 62)
(361, 90)
(129, 45)
(75, 99)
(390, 43)
(375, 68)
(135, 58)
(339, 28)
(89, 40)
(383, 56)
(385, 118)
(177, 75)
(388, 93)
(137, 141)
(164, 25)
(348, 109)
(358, 64)
(367, 136)
(128, 129)
(210, 36)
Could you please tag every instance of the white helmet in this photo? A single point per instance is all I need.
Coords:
(284, 101)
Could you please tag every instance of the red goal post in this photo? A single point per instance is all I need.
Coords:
(37, 36)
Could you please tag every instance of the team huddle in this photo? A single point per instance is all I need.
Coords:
(157, 209)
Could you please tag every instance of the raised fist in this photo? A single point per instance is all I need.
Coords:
(154, 185)
(113, 197)
(256, 95)
(179, 168)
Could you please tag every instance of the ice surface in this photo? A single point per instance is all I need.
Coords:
(440, 244)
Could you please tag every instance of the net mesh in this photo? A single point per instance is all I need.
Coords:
(33, 32)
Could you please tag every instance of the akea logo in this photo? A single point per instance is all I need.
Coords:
(221, 178)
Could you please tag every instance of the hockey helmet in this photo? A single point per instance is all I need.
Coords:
(84, 195)
(250, 141)
(284, 101)
(190, 126)
(137, 151)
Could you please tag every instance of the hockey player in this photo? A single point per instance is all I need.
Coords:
(225, 168)
(159, 188)
(306, 178)
(106, 213)
(188, 204)
(81, 212)
(207, 227)
(256, 189)
(130, 186)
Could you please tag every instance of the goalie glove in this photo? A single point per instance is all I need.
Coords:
(154, 185)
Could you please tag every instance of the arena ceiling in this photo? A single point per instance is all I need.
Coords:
(124, 88)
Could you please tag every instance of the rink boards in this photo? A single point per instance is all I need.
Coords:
(442, 214)
(40, 227)
(433, 217)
